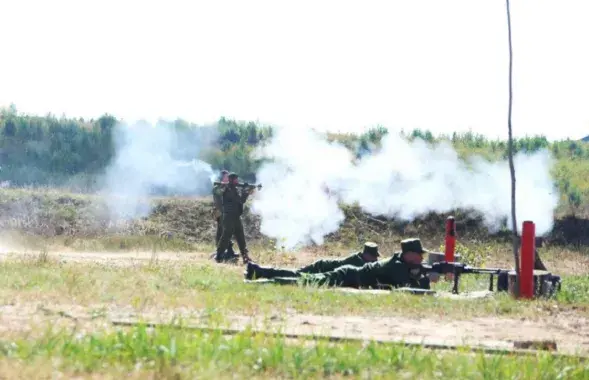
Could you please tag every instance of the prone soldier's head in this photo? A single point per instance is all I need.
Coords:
(412, 251)
(370, 252)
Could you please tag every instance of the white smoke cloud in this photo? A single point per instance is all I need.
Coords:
(403, 180)
(294, 206)
(153, 157)
(408, 179)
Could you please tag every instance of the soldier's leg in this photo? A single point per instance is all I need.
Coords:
(230, 250)
(223, 244)
(345, 276)
(218, 236)
(254, 270)
(240, 237)
(311, 268)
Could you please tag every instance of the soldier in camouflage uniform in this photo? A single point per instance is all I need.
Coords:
(229, 254)
(400, 270)
(233, 201)
(357, 259)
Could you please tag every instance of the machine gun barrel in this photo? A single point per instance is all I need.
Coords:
(546, 283)
(444, 267)
(457, 269)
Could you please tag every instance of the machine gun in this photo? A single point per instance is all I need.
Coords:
(546, 284)
(242, 185)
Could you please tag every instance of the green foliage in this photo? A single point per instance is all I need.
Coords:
(472, 255)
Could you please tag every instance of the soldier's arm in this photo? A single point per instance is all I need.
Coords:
(217, 198)
(385, 273)
(400, 274)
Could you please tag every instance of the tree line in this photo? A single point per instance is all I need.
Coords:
(57, 151)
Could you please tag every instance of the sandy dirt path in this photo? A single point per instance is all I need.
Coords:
(116, 258)
(570, 333)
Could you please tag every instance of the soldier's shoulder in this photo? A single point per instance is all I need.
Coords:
(392, 260)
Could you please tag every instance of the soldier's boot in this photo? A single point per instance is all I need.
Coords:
(254, 270)
(224, 257)
(251, 271)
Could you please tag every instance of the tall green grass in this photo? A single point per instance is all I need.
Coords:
(174, 353)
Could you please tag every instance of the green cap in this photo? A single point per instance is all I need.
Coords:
(412, 245)
(371, 248)
(232, 175)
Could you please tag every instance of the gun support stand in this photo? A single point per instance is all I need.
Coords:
(491, 282)
(455, 285)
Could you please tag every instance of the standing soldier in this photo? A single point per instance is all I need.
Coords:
(233, 201)
(218, 214)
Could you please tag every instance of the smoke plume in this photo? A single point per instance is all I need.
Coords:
(294, 205)
(307, 176)
(155, 160)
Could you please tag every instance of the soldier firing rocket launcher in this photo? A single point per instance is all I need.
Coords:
(545, 283)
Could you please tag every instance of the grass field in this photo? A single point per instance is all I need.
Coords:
(58, 310)
(63, 293)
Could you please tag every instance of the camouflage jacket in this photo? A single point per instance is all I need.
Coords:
(233, 200)
(328, 265)
(390, 272)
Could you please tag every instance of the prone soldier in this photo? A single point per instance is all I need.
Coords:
(400, 270)
(367, 255)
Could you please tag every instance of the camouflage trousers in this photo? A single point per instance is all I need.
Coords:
(232, 226)
(219, 233)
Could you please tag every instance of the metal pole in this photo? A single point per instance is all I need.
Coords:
(511, 166)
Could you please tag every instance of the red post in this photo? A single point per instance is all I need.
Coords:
(450, 239)
(526, 276)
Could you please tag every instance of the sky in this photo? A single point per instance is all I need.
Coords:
(330, 65)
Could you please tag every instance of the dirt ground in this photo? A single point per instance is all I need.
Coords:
(569, 331)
